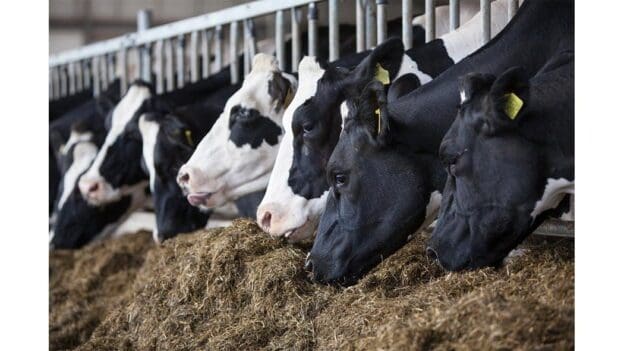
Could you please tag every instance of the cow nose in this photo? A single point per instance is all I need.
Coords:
(431, 253)
(266, 221)
(93, 188)
(183, 178)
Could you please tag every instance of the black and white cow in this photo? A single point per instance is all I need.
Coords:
(236, 157)
(116, 170)
(168, 140)
(510, 158)
(75, 222)
(385, 173)
(298, 187)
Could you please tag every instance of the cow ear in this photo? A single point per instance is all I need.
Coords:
(56, 141)
(383, 63)
(473, 84)
(509, 93)
(103, 104)
(178, 132)
(282, 89)
(373, 111)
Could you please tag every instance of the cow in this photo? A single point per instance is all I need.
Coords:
(116, 170)
(76, 222)
(236, 157)
(510, 161)
(389, 186)
(298, 187)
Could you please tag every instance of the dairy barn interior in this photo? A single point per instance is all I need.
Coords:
(311, 175)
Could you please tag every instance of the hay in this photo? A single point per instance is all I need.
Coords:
(237, 289)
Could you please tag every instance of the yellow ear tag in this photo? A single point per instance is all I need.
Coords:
(382, 75)
(187, 134)
(378, 114)
(513, 105)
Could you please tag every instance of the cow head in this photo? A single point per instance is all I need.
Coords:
(298, 187)
(504, 177)
(380, 193)
(167, 144)
(236, 157)
(116, 170)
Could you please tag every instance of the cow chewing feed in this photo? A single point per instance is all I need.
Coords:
(384, 192)
(298, 187)
(510, 159)
(236, 157)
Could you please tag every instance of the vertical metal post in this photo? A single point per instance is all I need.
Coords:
(234, 52)
(334, 31)
(205, 49)
(312, 29)
(360, 34)
(72, 78)
(79, 80)
(219, 48)
(169, 65)
(381, 21)
(88, 74)
(370, 25)
(430, 21)
(296, 38)
(51, 84)
(194, 62)
(485, 21)
(110, 61)
(250, 43)
(246, 58)
(406, 11)
(180, 61)
(159, 58)
(63, 78)
(123, 69)
(95, 71)
(512, 8)
(103, 73)
(453, 15)
(279, 38)
(144, 19)
(56, 87)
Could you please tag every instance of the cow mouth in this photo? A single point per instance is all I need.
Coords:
(198, 199)
(303, 232)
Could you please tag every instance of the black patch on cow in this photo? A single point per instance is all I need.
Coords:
(248, 126)
(279, 90)
(121, 164)
(247, 205)
(431, 58)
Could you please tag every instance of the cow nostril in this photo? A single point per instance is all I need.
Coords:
(94, 187)
(184, 178)
(431, 253)
(266, 220)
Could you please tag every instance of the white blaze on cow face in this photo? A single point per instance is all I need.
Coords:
(121, 116)
(291, 214)
(554, 191)
(236, 157)
(83, 153)
(149, 134)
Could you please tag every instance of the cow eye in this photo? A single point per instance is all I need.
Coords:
(307, 127)
(340, 179)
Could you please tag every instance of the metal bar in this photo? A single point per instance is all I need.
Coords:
(251, 27)
(123, 70)
(63, 77)
(194, 59)
(180, 61)
(453, 15)
(95, 71)
(512, 8)
(72, 79)
(485, 21)
(56, 87)
(79, 79)
(555, 227)
(144, 20)
(360, 33)
(334, 31)
(246, 49)
(205, 50)
(50, 84)
(312, 29)
(296, 38)
(430, 21)
(103, 73)
(209, 20)
(381, 21)
(234, 52)
(407, 10)
(219, 48)
(136, 74)
(87, 76)
(169, 65)
(370, 25)
(279, 38)
(110, 61)
(159, 58)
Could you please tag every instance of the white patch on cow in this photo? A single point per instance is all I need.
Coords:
(137, 221)
(291, 211)
(219, 166)
(83, 154)
(468, 38)
(122, 114)
(435, 199)
(344, 113)
(554, 192)
(149, 133)
(462, 96)
(410, 66)
(75, 138)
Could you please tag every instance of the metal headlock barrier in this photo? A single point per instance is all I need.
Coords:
(161, 52)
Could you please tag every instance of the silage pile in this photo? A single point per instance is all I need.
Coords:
(237, 289)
